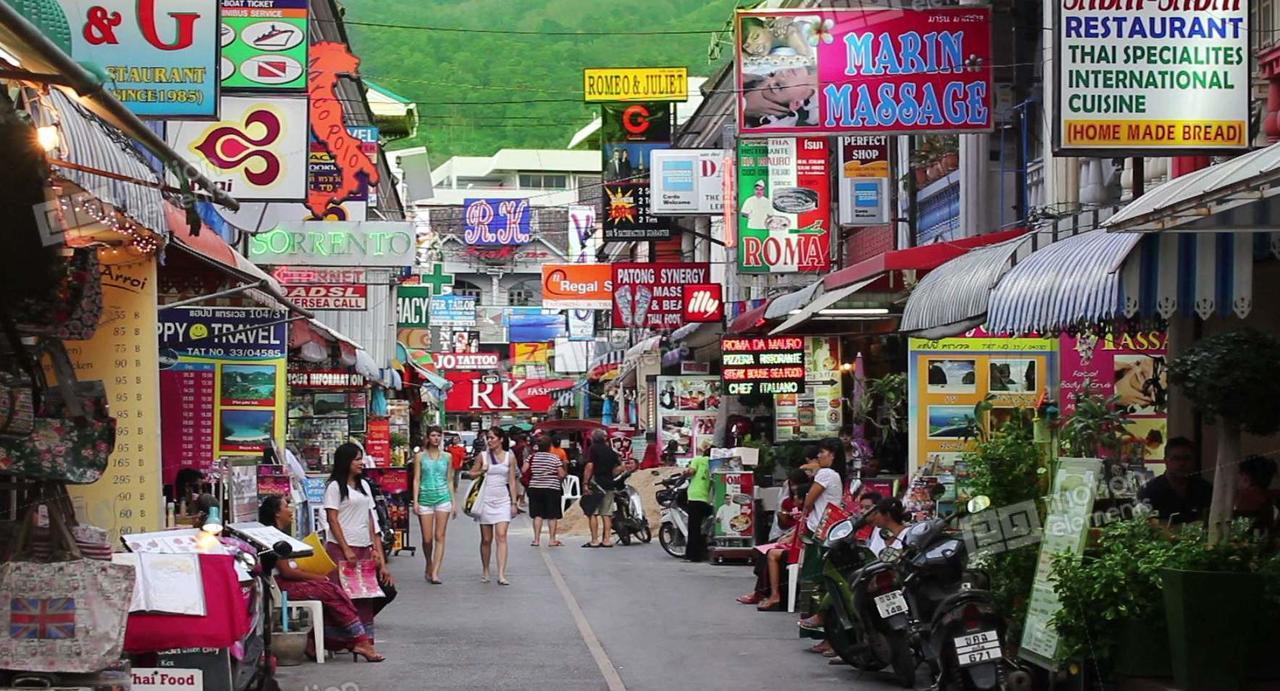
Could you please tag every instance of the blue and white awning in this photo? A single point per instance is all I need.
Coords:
(1203, 274)
(953, 298)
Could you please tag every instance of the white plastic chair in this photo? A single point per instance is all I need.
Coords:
(315, 607)
(571, 491)
(793, 584)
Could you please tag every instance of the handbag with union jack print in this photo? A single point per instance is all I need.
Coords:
(65, 615)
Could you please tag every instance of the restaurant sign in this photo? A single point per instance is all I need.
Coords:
(367, 244)
(763, 365)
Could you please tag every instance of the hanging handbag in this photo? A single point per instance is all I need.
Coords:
(17, 386)
(73, 434)
(359, 579)
(74, 308)
(472, 505)
(66, 615)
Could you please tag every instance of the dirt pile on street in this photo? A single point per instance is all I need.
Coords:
(643, 481)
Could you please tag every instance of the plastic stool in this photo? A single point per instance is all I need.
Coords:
(315, 608)
(793, 584)
(571, 491)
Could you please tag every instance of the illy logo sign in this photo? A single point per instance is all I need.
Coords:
(703, 302)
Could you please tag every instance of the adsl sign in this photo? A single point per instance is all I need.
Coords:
(388, 244)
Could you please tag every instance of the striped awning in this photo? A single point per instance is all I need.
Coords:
(1204, 274)
(823, 301)
(101, 160)
(953, 298)
(1072, 281)
(782, 306)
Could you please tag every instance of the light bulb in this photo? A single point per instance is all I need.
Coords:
(48, 137)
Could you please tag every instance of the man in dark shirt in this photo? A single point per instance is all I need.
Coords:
(1180, 495)
(597, 479)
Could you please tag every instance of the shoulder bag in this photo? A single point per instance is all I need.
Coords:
(472, 505)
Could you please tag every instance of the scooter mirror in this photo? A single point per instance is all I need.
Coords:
(978, 504)
(887, 534)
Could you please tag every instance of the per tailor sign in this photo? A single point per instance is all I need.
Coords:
(1155, 78)
(864, 71)
(387, 244)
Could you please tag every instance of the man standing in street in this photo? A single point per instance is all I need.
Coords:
(1180, 495)
(699, 502)
(597, 488)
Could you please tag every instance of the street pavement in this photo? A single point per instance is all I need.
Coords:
(634, 618)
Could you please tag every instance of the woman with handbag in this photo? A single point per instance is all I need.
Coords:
(354, 534)
(433, 500)
(343, 629)
(494, 507)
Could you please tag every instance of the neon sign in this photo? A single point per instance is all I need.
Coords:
(496, 221)
(334, 243)
(763, 365)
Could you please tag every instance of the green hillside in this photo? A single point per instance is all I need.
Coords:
(541, 73)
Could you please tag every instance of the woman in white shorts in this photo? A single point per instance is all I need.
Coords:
(433, 501)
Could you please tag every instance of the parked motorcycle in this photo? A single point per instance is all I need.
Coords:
(380, 509)
(952, 621)
(628, 516)
(673, 497)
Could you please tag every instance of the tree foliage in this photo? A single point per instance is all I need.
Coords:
(1232, 376)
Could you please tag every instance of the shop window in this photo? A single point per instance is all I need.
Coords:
(534, 181)
(466, 289)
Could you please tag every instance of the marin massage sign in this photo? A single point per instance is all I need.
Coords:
(864, 71)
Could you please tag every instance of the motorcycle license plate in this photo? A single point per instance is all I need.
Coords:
(890, 604)
(977, 647)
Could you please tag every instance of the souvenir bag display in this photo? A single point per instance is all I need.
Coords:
(359, 579)
(72, 433)
(66, 614)
(17, 387)
(74, 308)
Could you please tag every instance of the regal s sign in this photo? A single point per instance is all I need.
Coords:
(386, 244)
(471, 393)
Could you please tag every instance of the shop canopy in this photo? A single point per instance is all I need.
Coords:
(749, 321)
(953, 298)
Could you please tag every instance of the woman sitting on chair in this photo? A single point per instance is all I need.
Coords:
(342, 627)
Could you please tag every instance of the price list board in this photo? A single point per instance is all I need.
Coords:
(123, 354)
(189, 390)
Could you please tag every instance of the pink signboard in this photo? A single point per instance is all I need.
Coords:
(864, 71)
(1130, 366)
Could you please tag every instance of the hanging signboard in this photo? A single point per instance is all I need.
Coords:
(264, 45)
(292, 275)
(629, 133)
(1133, 368)
(1155, 79)
(863, 186)
(651, 295)
(816, 412)
(254, 152)
(453, 310)
(160, 58)
(772, 365)
(584, 244)
(332, 379)
(580, 325)
(703, 302)
(329, 297)
(327, 62)
(413, 306)
(466, 361)
(784, 206)
(326, 177)
(864, 71)
(577, 286)
(534, 325)
(470, 393)
(503, 222)
(614, 84)
(368, 244)
(687, 182)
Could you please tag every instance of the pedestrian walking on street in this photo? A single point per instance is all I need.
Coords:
(597, 488)
(497, 507)
(699, 502)
(354, 533)
(433, 500)
(545, 490)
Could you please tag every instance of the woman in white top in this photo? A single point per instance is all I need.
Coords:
(354, 534)
(496, 509)
(891, 516)
(828, 487)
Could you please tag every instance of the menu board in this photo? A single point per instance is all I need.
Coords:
(191, 387)
(1066, 529)
(762, 365)
(377, 441)
(1130, 366)
(122, 355)
(687, 410)
(817, 411)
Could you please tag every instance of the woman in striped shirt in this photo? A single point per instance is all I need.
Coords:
(546, 473)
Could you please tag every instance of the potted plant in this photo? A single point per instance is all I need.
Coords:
(950, 151)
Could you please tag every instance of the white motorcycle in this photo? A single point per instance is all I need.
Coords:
(673, 534)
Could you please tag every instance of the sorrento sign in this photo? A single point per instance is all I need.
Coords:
(386, 244)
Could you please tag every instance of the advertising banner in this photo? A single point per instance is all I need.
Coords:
(122, 354)
(161, 58)
(530, 360)
(687, 408)
(577, 286)
(614, 84)
(329, 297)
(254, 151)
(491, 323)
(474, 392)
(377, 441)
(584, 244)
(784, 206)
(292, 275)
(329, 179)
(581, 325)
(734, 505)
(452, 310)
(388, 244)
(1132, 366)
(222, 383)
(703, 302)
(651, 295)
(687, 182)
(864, 71)
(413, 306)
(863, 186)
(535, 325)
(817, 411)
(629, 133)
(1158, 79)
(503, 222)
(264, 45)
(772, 365)
(466, 361)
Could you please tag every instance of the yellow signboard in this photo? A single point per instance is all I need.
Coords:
(614, 84)
(123, 354)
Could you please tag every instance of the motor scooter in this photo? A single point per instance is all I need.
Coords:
(673, 533)
(628, 516)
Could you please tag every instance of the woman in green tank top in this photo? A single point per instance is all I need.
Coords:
(433, 500)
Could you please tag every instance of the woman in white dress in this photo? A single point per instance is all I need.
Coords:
(496, 508)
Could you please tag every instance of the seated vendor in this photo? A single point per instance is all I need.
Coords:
(343, 629)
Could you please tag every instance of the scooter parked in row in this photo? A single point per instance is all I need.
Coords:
(628, 516)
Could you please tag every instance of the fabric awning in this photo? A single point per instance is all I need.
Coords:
(922, 258)
(823, 301)
(953, 298)
(1202, 274)
(1072, 281)
(698, 335)
(783, 305)
(749, 321)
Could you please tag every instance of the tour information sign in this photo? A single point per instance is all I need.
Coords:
(1154, 77)
(763, 365)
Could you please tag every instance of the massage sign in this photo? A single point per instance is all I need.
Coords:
(763, 365)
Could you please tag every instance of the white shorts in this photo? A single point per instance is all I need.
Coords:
(446, 507)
